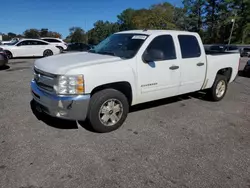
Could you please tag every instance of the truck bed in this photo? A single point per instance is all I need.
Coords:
(217, 61)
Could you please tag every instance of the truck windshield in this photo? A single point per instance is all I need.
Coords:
(120, 45)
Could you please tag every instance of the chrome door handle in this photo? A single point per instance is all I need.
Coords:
(174, 67)
(200, 64)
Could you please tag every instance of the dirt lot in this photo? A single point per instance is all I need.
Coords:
(179, 142)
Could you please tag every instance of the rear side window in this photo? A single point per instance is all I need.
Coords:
(190, 47)
(165, 44)
(52, 40)
(38, 43)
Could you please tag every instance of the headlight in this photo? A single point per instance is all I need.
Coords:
(70, 85)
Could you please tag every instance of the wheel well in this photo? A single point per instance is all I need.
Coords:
(227, 72)
(123, 87)
(7, 51)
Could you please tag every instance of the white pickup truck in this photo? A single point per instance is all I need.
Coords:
(125, 69)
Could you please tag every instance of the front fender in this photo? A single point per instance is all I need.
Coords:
(108, 73)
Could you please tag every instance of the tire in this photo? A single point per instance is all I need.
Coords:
(217, 95)
(47, 53)
(102, 115)
(9, 54)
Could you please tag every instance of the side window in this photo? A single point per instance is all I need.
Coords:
(190, 47)
(23, 43)
(33, 42)
(40, 43)
(53, 41)
(163, 44)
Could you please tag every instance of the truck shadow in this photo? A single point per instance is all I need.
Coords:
(66, 124)
(243, 74)
(198, 95)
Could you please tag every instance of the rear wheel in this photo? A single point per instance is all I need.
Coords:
(219, 88)
(9, 54)
(47, 53)
(60, 48)
(108, 110)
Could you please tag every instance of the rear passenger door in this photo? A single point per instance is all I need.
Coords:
(193, 63)
(39, 47)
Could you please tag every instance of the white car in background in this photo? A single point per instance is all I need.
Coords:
(58, 42)
(30, 48)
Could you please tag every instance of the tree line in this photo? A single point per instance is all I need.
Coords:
(212, 19)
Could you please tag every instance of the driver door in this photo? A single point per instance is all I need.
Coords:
(24, 49)
(159, 78)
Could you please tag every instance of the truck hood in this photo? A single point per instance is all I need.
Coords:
(60, 64)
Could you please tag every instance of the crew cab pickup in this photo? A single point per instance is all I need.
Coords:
(129, 68)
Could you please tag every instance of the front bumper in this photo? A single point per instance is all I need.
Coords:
(65, 107)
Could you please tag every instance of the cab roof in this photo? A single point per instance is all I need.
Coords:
(150, 32)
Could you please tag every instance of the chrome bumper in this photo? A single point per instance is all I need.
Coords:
(65, 107)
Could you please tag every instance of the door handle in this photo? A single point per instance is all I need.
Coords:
(200, 64)
(174, 67)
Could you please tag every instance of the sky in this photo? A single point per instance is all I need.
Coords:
(60, 15)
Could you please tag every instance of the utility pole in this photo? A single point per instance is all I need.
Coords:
(86, 33)
(233, 20)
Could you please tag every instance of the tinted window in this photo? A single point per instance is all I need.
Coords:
(23, 43)
(190, 47)
(246, 50)
(38, 43)
(232, 48)
(52, 40)
(163, 44)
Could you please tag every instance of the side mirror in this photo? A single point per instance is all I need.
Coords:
(153, 55)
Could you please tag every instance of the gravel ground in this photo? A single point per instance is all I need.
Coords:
(179, 142)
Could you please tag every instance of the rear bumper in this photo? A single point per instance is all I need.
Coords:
(65, 107)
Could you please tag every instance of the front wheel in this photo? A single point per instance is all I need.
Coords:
(9, 54)
(108, 110)
(219, 88)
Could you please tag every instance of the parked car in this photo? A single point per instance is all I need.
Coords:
(58, 42)
(78, 47)
(245, 52)
(129, 68)
(29, 48)
(221, 48)
(215, 47)
(11, 41)
(3, 58)
(246, 70)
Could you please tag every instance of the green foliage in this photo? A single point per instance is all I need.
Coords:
(35, 33)
(31, 33)
(101, 30)
(77, 34)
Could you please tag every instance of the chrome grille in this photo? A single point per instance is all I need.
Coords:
(45, 81)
